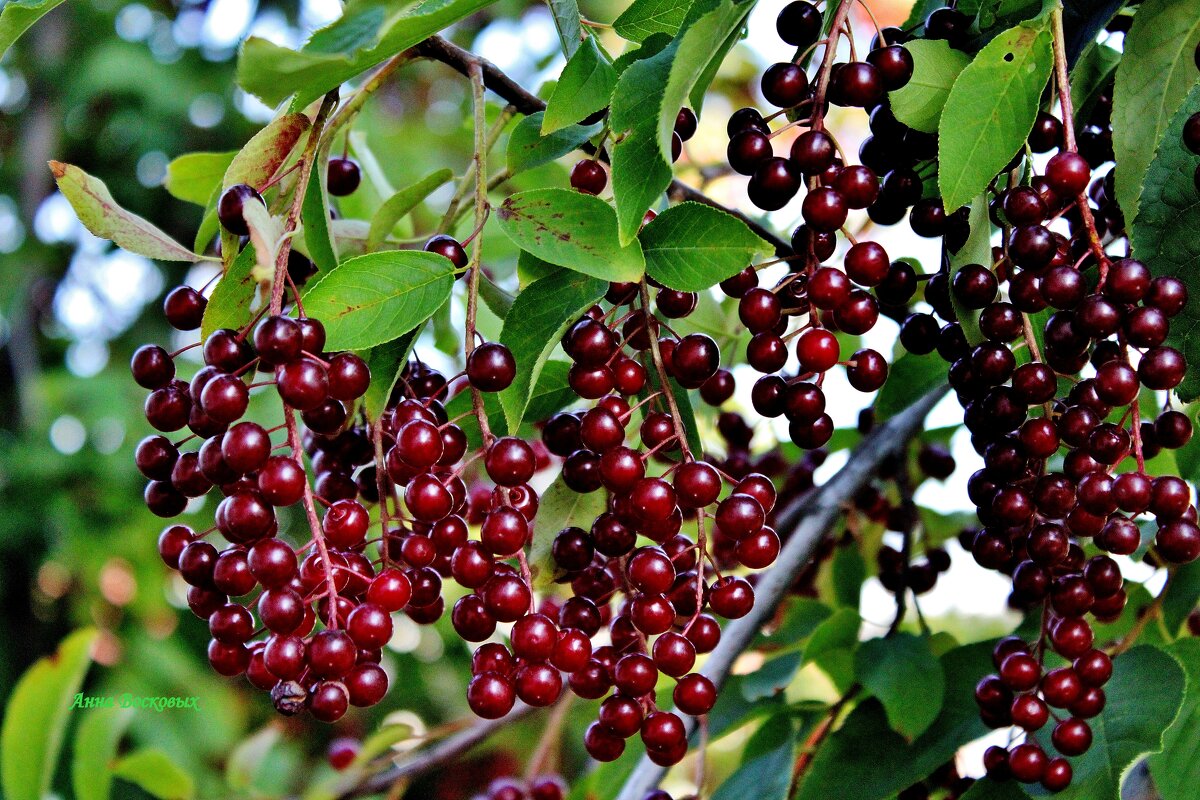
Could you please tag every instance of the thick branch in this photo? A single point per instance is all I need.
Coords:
(442, 753)
(450, 54)
(808, 520)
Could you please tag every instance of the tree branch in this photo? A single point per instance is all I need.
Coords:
(441, 753)
(438, 49)
(808, 520)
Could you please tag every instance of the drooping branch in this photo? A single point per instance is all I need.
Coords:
(437, 755)
(438, 49)
(807, 520)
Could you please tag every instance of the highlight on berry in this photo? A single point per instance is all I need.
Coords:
(613, 401)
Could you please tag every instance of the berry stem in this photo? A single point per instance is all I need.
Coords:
(839, 19)
(293, 217)
(663, 384)
(385, 522)
(310, 511)
(1063, 80)
(475, 71)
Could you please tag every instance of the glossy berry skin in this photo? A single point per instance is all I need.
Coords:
(342, 177)
(184, 308)
(449, 247)
(798, 23)
(783, 85)
(491, 367)
(231, 204)
(589, 176)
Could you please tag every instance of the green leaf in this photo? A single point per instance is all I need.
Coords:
(990, 111)
(910, 378)
(262, 156)
(101, 215)
(987, 789)
(560, 507)
(585, 86)
(248, 756)
(367, 33)
(552, 392)
(849, 572)
(1090, 77)
(528, 148)
(372, 299)
(646, 17)
(314, 216)
(193, 177)
(497, 299)
(539, 317)
(901, 671)
(767, 775)
(36, 716)
(1164, 233)
(155, 772)
(96, 741)
(18, 16)
(571, 229)
(831, 646)
(691, 246)
(1181, 596)
(1175, 770)
(1155, 74)
(773, 676)
(402, 202)
(566, 21)
(865, 759)
(936, 65)
(1144, 696)
(977, 250)
(386, 362)
(646, 102)
(920, 10)
(231, 299)
(687, 415)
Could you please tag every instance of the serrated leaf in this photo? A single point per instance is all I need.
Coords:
(386, 362)
(585, 86)
(910, 378)
(36, 716)
(1155, 74)
(775, 674)
(570, 229)
(266, 236)
(901, 671)
(990, 111)
(646, 102)
(566, 22)
(528, 148)
(646, 17)
(976, 250)
(155, 772)
(231, 299)
(831, 646)
(314, 216)
(193, 177)
(402, 202)
(560, 507)
(766, 775)
(1176, 770)
(691, 246)
(262, 156)
(375, 298)
(1163, 234)
(1182, 595)
(936, 65)
(849, 571)
(248, 756)
(495, 298)
(537, 320)
(101, 215)
(1144, 696)
(18, 16)
(366, 34)
(687, 416)
(1090, 77)
(96, 741)
(865, 759)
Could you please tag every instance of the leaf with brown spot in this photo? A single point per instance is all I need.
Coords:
(573, 230)
(262, 156)
(101, 215)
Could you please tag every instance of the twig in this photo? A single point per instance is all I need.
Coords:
(663, 384)
(441, 753)
(524, 102)
(481, 206)
(808, 520)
